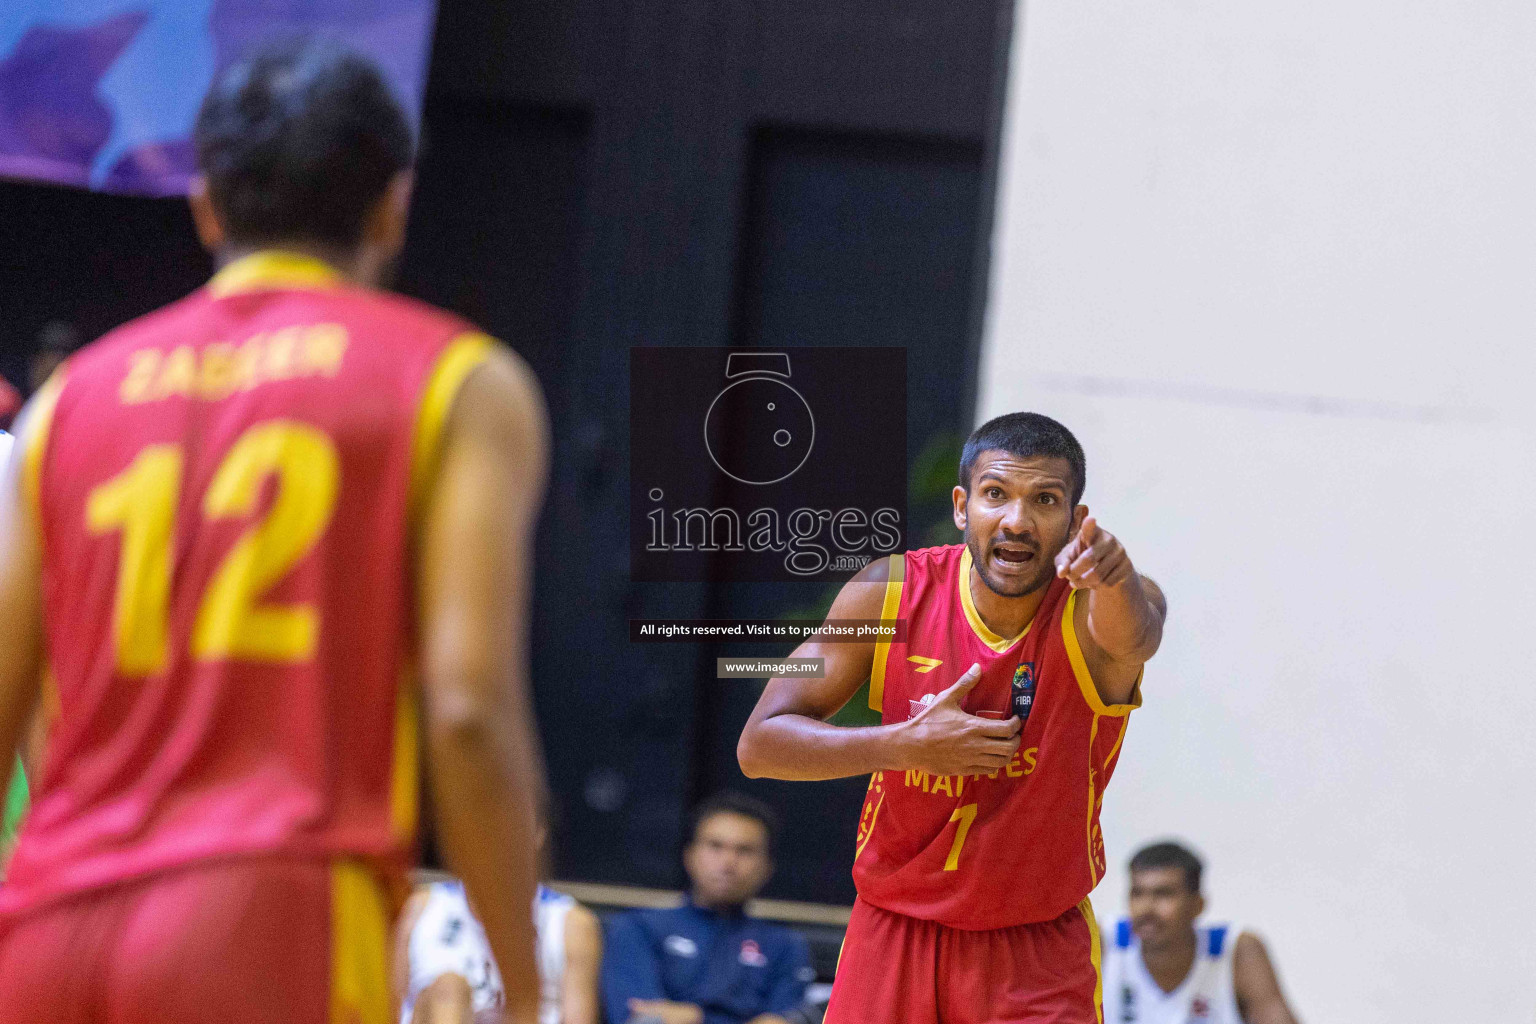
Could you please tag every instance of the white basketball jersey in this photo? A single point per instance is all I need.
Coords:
(1206, 996)
(447, 939)
(549, 912)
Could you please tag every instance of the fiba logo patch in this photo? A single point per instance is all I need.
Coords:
(1200, 1009)
(752, 955)
(1023, 691)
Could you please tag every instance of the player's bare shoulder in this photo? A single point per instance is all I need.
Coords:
(502, 397)
(864, 594)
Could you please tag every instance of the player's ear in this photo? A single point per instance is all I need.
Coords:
(210, 230)
(1078, 515)
(1199, 905)
(385, 229)
(958, 495)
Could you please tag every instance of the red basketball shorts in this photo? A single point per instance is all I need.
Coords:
(896, 969)
(233, 942)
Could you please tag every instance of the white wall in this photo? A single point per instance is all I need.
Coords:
(1276, 265)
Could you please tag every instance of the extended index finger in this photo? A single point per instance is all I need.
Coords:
(1089, 531)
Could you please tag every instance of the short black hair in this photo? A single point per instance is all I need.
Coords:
(299, 142)
(730, 802)
(1026, 435)
(1170, 855)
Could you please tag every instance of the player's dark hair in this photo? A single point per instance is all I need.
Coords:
(298, 142)
(1025, 435)
(1170, 855)
(730, 802)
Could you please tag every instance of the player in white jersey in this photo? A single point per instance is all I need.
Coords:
(1162, 968)
(446, 973)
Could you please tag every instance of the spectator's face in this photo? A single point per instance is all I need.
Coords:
(727, 862)
(1163, 909)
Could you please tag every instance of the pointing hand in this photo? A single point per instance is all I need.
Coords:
(1093, 558)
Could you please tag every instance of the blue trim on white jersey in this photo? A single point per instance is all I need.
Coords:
(1217, 940)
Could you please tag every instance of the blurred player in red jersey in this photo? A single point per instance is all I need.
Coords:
(1002, 716)
(245, 539)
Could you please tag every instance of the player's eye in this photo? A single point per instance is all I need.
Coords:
(994, 492)
(1046, 499)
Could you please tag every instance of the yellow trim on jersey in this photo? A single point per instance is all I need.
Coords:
(272, 268)
(1096, 953)
(404, 781)
(453, 367)
(983, 633)
(889, 609)
(1093, 797)
(873, 816)
(360, 989)
(454, 364)
(1085, 683)
(1116, 748)
(39, 422)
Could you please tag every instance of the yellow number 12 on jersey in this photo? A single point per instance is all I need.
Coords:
(232, 622)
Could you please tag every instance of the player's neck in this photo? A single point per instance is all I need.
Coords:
(1171, 963)
(1005, 616)
(342, 261)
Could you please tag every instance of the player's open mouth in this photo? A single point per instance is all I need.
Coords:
(1013, 556)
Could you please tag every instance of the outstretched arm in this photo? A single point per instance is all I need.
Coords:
(788, 736)
(1120, 625)
(1258, 988)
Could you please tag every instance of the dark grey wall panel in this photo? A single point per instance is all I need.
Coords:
(849, 239)
(901, 66)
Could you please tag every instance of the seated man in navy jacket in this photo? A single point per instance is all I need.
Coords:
(706, 962)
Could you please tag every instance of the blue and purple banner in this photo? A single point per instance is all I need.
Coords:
(102, 93)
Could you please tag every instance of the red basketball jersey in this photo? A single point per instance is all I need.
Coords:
(224, 489)
(1022, 844)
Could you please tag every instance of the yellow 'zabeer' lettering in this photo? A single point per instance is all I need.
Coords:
(221, 368)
